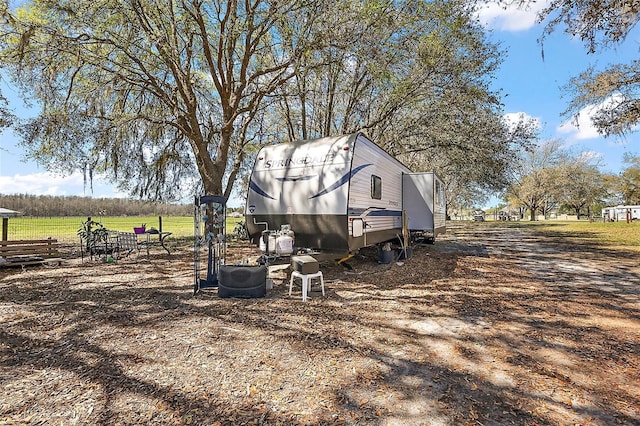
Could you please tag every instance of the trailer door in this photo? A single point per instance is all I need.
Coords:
(417, 200)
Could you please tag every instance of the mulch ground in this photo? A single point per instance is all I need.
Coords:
(489, 326)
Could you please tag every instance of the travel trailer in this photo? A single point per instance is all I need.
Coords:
(339, 194)
(620, 213)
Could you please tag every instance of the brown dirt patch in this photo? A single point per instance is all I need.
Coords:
(490, 326)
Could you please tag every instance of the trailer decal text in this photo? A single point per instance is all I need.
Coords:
(304, 161)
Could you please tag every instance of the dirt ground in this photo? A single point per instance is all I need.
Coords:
(489, 326)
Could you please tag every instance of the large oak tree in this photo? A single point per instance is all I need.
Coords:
(416, 76)
(161, 95)
(152, 92)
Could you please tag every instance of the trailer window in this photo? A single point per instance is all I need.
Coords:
(376, 187)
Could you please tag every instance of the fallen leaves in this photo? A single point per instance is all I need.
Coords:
(452, 334)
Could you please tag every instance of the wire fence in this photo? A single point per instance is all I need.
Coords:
(65, 228)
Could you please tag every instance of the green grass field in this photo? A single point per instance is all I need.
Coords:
(613, 234)
(66, 228)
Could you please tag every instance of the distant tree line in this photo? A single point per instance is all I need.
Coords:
(46, 205)
(550, 178)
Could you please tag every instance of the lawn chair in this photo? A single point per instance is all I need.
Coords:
(127, 243)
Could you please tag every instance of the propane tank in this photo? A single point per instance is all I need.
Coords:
(271, 242)
(284, 242)
(286, 230)
(284, 245)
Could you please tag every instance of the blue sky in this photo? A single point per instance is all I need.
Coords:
(532, 87)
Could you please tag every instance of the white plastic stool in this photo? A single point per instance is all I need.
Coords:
(306, 282)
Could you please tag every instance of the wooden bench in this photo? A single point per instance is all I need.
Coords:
(29, 252)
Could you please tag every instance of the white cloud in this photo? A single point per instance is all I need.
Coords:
(581, 126)
(41, 183)
(510, 18)
(44, 183)
(513, 118)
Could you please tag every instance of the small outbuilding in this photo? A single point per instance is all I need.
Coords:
(5, 214)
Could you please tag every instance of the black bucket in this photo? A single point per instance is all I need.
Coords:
(386, 256)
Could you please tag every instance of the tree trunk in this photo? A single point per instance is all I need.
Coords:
(533, 215)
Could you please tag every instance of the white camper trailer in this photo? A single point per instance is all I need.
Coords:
(339, 194)
(621, 213)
